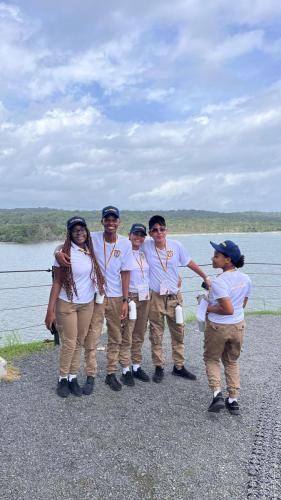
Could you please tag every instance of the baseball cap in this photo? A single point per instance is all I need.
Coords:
(138, 228)
(110, 211)
(228, 248)
(75, 220)
(156, 219)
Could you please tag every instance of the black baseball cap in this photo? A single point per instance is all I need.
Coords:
(228, 248)
(138, 228)
(110, 210)
(75, 220)
(156, 219)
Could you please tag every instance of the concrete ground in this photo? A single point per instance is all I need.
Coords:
(152, 441)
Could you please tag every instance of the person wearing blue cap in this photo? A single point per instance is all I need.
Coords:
(134, 329)
(71, 302)
(225, 326)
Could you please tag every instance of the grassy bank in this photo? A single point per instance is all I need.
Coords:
(10, 352)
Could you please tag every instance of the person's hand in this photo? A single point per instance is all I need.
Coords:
(63, 259)
(124, 311)
(208, 283)
(50, 319)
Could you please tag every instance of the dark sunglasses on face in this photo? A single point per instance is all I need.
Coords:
(158, 230)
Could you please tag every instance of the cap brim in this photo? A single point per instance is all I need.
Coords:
(111, 213)
(218, 248)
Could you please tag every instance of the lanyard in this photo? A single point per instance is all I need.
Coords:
(85, 251)
(140, 263)
(106, 262)
(164, 267)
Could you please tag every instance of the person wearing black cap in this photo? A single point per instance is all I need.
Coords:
(115, 258)
(134, 329)
(164, 256)
(225, 324)
(71, 302)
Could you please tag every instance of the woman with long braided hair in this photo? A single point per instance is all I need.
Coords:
(71, 302)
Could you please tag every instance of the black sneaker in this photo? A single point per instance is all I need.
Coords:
(74, 387)
(140, 374)
(217, 404)
(113, 383)
(88, 387)
(233, 407)
(127, 379)
(62, 388)
(158, 375)
(184, 373)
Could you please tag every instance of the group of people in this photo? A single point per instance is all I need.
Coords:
(129, 281)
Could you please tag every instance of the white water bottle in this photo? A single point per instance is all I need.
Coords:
(132, 310)
(179, 315)
(99, 298)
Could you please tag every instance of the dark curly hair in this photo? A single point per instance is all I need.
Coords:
(64, 274)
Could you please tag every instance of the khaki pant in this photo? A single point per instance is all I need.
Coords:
(73, 322)
(133, 334)
(162, 306)
(110, 310)
(223, 342)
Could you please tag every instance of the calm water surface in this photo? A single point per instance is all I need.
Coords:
(16, 298)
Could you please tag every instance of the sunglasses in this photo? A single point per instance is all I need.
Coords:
(158, 230)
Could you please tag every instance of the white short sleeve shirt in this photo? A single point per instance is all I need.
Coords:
(82, 271)
(235, 285)
(164, 264)
(140, 273)
(113, 258)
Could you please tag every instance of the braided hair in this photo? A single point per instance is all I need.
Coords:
(65, 274)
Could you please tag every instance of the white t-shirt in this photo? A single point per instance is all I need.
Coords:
(82, 270)
(171, 258)
(117, 257)
(235, 285)
(140, 274)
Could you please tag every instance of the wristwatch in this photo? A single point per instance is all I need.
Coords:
(125, 299)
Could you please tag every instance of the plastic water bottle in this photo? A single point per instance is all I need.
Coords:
(99, 298)
(179, 315)
(132, 310)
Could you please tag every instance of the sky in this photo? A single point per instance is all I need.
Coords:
(140, 104)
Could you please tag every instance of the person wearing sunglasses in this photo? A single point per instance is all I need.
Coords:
(134, 329)
(71, 302)
(225, 327)
(164, 256)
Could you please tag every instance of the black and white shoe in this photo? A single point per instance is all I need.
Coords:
(74, 387)
(127, 379)
(233, 407)
(140, 375)
(217, 404)
(63, 388)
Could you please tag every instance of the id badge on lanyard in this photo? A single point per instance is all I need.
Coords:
(143, 292)
(164, 287)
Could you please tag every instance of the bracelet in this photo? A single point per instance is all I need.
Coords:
(125, 299)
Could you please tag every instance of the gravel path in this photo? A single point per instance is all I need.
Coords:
(147, 442)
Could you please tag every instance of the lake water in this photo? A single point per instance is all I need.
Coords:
(24, 296)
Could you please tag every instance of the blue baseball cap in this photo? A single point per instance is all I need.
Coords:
(228, 248)
(138, 228)
(110, 210)
(75, 220)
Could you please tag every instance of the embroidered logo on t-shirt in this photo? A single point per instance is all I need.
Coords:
(117, 253)
(170, 254)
